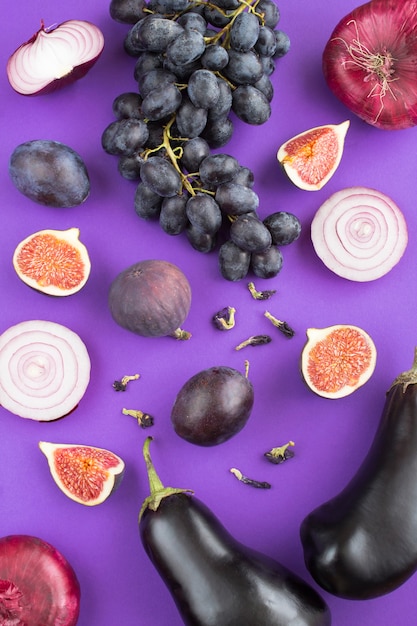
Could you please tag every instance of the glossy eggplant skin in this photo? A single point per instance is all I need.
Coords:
(215, 580)
(362, 543)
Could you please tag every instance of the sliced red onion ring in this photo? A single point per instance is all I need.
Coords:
(55, 57)
(44, 370)
(359, 234)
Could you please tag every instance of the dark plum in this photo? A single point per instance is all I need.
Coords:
(212, 406)
(49, 173)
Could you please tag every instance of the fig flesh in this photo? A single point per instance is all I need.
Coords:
(151, 298)
(212, 406)
(52, 261)
(85, 474)
(311, 158)
(337, 360)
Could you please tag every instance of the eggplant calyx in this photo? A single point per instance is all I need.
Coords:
(409, 377)
(157, 490)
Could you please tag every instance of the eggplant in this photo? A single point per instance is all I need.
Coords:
(362, 543)
(214, 579)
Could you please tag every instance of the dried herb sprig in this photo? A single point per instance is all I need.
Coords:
(225, 318)
(120, 385)
(260, 295)
(144, 420)
(255, 340)
(280, 453)
(284, 327)
(249, 481)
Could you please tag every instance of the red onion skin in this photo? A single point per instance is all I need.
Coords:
(77, 72)
(387, 28)
(44, 586)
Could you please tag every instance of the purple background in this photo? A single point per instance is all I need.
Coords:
(119, 584)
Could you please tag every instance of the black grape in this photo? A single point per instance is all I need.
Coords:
(244, 68)
(153, 79)
(193, 153)
(236, 199)
(233, 261)
(214, 58)
(194, 21)
(125, 136)
(250, 233)
(167, 7)
(127, 11)
(203, 88)
(218, 132)
(266, 43)
(264, 84)
(153, 33)
(147, 202)
(160, 175)
(251, 105)
(283, 43)
(266, 264)
(244, 32)
(173, 216)
(244, 176)
(161, 102)
(284, 227)
(217, 169)
(190, 120)
(129, 166)
(270, 12)
(199, 240)
(204, 213)
(186, 48)
(223, 103)
(127, 105)
(147, 61)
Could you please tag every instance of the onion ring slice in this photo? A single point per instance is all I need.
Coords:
(359, 233)
(44, 370)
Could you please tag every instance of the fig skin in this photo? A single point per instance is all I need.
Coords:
(212, 406)
(49, 173)
(151, 298)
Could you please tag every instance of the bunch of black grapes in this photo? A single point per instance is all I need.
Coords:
(198, 66)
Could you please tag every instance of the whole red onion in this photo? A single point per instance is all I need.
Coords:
(370, 63)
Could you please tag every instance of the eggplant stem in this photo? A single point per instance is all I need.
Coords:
(157, 490)
(409, 377)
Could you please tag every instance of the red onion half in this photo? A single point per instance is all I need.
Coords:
(37, 584)
(54, 57)
(359, 234)
(370, 63)
(44, 370)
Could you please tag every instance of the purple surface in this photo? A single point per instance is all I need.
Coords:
(119, 584)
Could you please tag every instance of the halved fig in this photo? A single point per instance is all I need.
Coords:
(54, 262)
(311, 158)
(337, 360)
(86, 474)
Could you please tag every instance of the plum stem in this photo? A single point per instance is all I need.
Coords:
(157, 490)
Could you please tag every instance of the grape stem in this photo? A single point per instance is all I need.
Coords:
(223, 36)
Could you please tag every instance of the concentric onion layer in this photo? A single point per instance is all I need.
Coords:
(44, 370)
(359, 234)
(68, 50)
